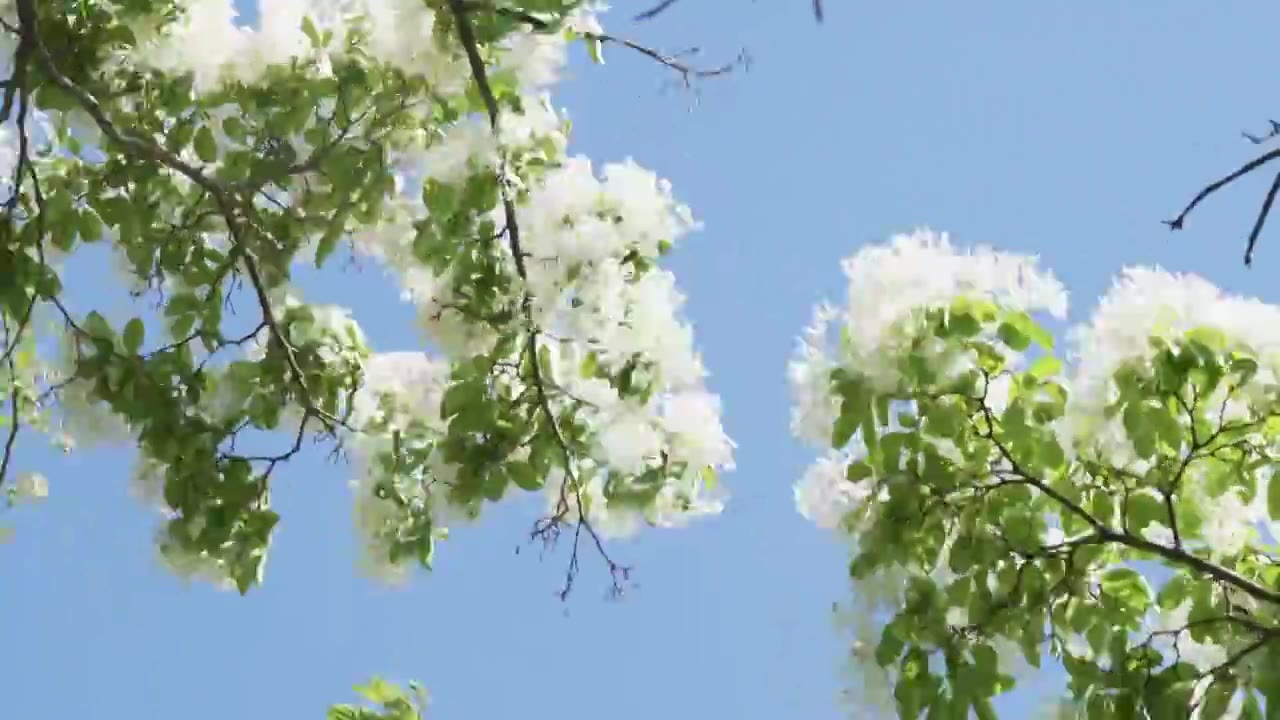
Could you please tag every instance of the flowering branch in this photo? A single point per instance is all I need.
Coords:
(550, 527)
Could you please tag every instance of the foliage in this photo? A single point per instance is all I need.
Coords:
(1116, 515)
(390, 703)
(211, 163)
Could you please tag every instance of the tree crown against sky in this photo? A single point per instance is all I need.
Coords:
(214, 161)
(419, 135)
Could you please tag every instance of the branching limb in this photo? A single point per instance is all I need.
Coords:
(223, 197)
(1248, 168)
(1177, 556)
(687, 72)
(548, 528)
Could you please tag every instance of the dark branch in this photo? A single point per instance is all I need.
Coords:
(466, 36)
(1213, 187)
(654, 11)
(1262, 219)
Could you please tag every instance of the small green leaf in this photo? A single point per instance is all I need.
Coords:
(523, 475)
(1013, 337)
(329, 241)
(134, 334)
(1045, 367)
(89, 226)
(1273, 500)
(309, 29)
(206, 147)
(596, 49)
(859, 470)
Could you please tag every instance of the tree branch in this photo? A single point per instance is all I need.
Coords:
(29, 26)
(1177, 222)
(1175, 555)
(466, 36)
(687, 72)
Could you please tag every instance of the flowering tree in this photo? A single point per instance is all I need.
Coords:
(211, 161)
(1114, 513)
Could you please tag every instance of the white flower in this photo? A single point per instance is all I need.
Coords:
(1150, 302)
(814, 407)
(887, 283)
(1228, 524)
(826, 496)
(32, 486)
(629, 441)
(693, 420)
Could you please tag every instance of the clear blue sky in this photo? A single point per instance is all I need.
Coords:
(1064, 129)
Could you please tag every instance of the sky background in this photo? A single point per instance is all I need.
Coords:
(1066, 130)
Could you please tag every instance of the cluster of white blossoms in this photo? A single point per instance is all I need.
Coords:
(592, 241)
(890, 283)
(1149, 303)
(889, 286)
(1221, 503)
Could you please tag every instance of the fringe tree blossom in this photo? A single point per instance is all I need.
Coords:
(215, 159)
(996, 497)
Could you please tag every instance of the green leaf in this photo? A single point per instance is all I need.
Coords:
(379, 691)
(859, 470)
(134, 334)
(1216, 700)
(890, 647)
(309, 29)
(1273, 500)
(846, 425)
(1013, 337)
(963, 324)
(983, 709)
(206, 147)
(1142, 510)
(233, 127)
(596, 49)
(329, 241)
(523, 475)
(1044, 367)
(89, 225)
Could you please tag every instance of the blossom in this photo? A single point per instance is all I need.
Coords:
(825, 496)
(32, 486)
(888, 283)
(1146, 303)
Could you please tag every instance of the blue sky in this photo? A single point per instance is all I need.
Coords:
(1067, 130)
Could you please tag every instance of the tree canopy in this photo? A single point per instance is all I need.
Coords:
(215, 161)
(1114, 512)
(1108, 508)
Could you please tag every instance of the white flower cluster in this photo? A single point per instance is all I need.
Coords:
(889, 285)
(592, 240)
(1146, 303)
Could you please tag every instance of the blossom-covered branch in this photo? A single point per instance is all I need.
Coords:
(213, 159)
(1005, 505)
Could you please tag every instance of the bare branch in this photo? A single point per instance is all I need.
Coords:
(1245, 169)
(687, 72)
(1262, 219)
(654, 11)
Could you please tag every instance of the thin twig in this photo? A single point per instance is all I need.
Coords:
(687, 72)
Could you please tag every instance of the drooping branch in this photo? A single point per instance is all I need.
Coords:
(466, 35)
